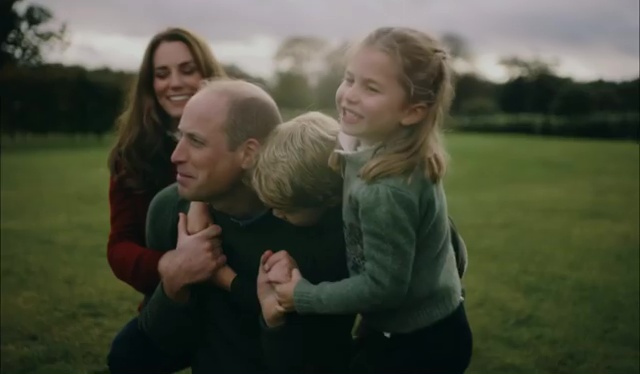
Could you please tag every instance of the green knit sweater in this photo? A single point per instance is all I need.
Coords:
(402, 267)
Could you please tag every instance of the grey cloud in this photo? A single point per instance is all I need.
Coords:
(490, 26)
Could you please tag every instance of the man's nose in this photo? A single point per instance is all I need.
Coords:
(179, 154)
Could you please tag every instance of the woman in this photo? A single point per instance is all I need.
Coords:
(174, 63)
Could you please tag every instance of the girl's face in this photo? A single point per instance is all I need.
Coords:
(175, 77)
(371, 102)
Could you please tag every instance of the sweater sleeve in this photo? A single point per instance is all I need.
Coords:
(243, 292)
(129, 259)
(172, 326)
(383, 238)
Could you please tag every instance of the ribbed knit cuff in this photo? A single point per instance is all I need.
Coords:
(303, 297)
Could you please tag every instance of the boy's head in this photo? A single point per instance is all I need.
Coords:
(292, 173)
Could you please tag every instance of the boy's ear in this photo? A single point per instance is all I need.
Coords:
(414, 114)
(249, 153)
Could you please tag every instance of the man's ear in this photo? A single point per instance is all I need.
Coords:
(249, 152)
(414, 114)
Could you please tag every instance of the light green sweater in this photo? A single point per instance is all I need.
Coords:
(402, 267)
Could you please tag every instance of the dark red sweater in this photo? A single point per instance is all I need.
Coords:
(129, 259)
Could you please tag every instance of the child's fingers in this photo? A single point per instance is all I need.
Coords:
(265, 255)
(278, 276)
(295, 275)
(279, 256)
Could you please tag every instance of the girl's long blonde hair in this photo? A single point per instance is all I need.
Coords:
(426, 77)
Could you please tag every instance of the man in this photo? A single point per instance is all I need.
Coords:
(221, 323)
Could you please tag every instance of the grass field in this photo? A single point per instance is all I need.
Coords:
(552, 227)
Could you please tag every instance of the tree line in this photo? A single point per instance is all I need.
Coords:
(52, 98)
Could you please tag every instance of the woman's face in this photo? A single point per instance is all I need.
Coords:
(175, 77)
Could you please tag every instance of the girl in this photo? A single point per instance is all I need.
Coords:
(404, 281)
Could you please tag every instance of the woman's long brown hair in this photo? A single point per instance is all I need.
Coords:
(141, 155)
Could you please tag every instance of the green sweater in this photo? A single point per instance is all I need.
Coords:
(402, 267)
(222, 330)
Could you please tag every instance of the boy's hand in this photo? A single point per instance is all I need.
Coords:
(272, 313)
(279, 266)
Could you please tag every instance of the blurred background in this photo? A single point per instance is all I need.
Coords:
(543, 137)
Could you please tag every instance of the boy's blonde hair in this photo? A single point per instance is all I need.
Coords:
(292, 169)
(426, 76)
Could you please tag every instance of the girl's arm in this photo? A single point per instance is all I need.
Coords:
(381, 237)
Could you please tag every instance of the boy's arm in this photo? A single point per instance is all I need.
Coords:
(198, 217)
(384, 235)
(242, 291)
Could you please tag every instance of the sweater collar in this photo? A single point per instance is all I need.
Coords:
(352, 150)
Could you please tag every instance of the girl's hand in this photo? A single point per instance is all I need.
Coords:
(284, 291)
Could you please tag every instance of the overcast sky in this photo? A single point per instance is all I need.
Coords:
(589, 39)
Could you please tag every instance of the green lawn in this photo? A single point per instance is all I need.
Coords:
(552, 228)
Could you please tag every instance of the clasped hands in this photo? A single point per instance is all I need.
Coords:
(278, 276)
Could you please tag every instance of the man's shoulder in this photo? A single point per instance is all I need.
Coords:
(168, 197)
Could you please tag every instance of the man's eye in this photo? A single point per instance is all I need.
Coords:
(197, 142)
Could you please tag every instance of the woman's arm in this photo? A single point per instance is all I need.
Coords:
(129, 259)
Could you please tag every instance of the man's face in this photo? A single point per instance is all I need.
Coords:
(206, 169)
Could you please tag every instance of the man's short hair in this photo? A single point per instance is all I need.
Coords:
(292, 169)
(252, 112)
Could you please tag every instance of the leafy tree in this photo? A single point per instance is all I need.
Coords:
(292, 90)
(330, 79)
(518, 67)
(234, 71)
(299, 53)
(25, 34)
(457, 46)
